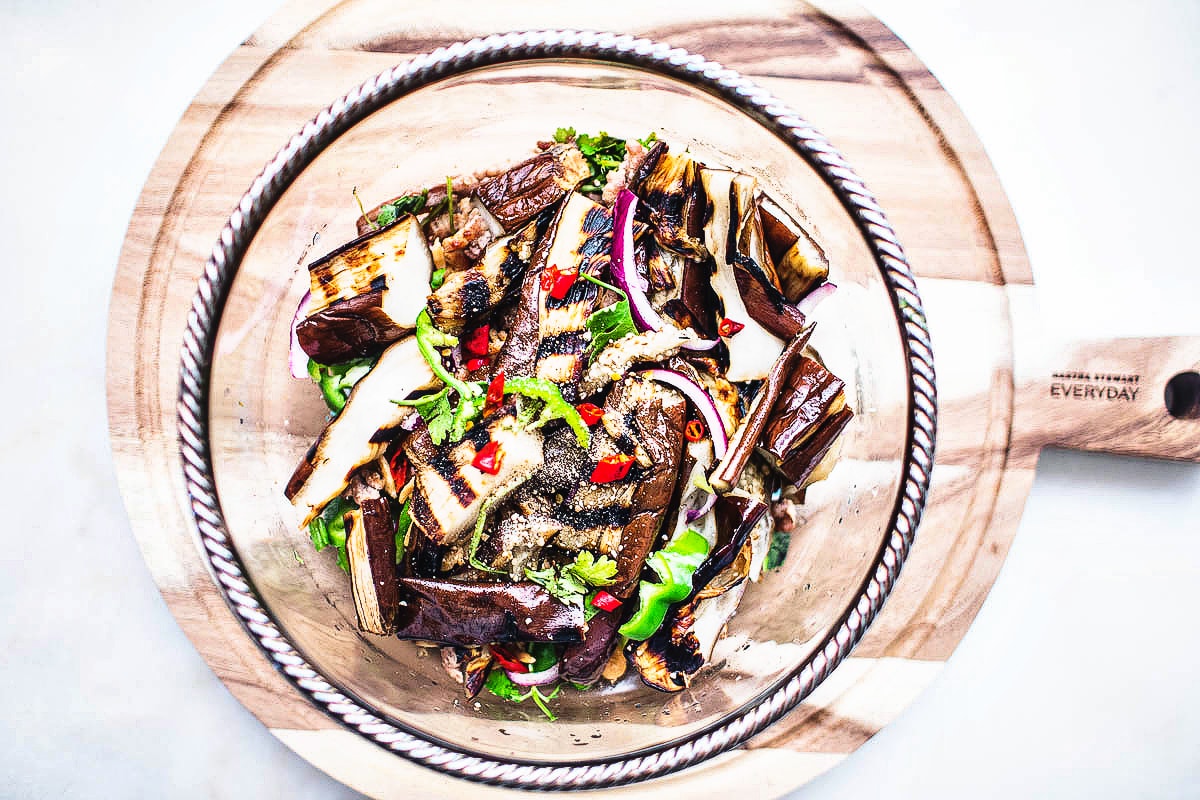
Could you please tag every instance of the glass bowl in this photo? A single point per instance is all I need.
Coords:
(245, 422)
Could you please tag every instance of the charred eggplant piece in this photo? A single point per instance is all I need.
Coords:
(753, 349)
(371, 551)
(472, 294)
(449, 491)
(807, 418)
(800, 263)
(520, 193)
(670, 187)
(659, 424)
(351, 439)
(621, 518)
(366, 295)
(582, 241)
(670, 658)
(468, 666)
(736, 517)
(474, 613)
(743, 443)
(583, 662)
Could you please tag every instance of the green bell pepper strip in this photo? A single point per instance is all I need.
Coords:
(335, 381)
(675, 565)
(555, 407)
(429, 339)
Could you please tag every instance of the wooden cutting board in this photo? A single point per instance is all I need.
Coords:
(1006, 391)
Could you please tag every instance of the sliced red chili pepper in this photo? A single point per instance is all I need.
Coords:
(563, 283)
(399, 467)
(549, 276)
(488, 459)
(495, 393)
(728, 327)
(477, 363)
(694, 431)
(605, 601)
(477, 343)
(507, 661)
(590, 412)
(558, 281)
(612, 468)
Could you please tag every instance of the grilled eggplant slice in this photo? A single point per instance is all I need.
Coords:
(806, 419)
(753, 349)
(371, 551)
(352, 438)
(670, 187)
(583, 662)
(671, 657)
(744, 440)
(582, 240)
(644, 419)
(470, 613)
(799, 261)
(471, 294)
(520, 193)
(449, 491)
(367, 294)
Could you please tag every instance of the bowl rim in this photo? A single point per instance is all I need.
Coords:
(212, 290)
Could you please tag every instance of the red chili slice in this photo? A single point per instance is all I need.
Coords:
(549, 276)
(605, 601)
(477, 363)
(563, 283)
(507, 661)
(728, 327)
(399, 467)
(488, 459)
(590, 412)
(495, 393)
(477, 343)
(612, 468)
(694, 431)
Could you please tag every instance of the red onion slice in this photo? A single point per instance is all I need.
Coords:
(693, 514)
(548, 675)
(701, 344)
(297, 358)
(813, 299)
(703, 402)
(624, 266)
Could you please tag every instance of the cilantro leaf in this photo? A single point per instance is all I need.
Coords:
(572, 582)
(609, 323)
(778, 550)
(594, 571)
(502, 686)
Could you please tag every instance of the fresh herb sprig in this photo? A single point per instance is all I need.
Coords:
(571, 583)
(610, 323)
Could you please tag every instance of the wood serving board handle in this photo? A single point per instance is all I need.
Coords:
(1136, 397)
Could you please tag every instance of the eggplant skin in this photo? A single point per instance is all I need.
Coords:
(584, 661)
(736, 517)
(355, 327)
(371, 549)
(520, 193)
(472, 613)
(806, 419)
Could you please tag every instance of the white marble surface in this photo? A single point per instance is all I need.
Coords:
(1078, 677)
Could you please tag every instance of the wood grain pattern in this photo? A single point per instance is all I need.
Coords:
(857, 83)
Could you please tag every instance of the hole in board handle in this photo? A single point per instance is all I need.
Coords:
(1182, 396)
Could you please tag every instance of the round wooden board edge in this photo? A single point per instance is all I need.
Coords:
(734, 767)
